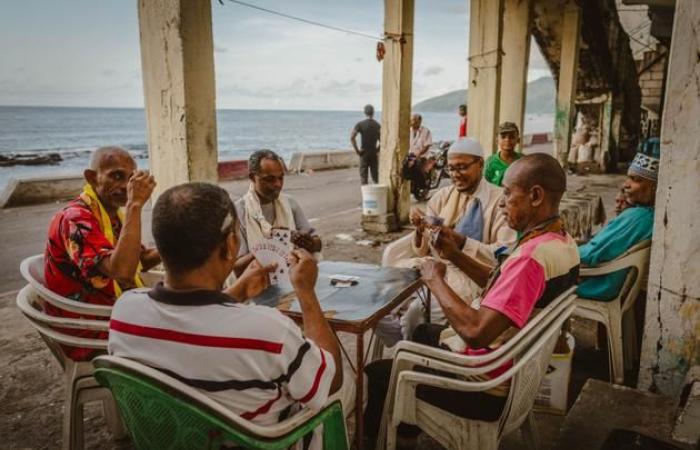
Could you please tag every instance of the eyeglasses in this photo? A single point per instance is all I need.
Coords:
(461, 168)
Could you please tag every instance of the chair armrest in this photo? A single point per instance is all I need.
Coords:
(635, 259)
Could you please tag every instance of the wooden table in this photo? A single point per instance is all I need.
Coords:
(355, 309)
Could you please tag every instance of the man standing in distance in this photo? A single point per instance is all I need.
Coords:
(369, 148)
(463, 121)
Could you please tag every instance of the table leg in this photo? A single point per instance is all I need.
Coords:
(359, 394)
(428, 299)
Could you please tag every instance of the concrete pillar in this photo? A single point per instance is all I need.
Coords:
(606, 131)
(177, 59)
(485, 56)
(397, 78)
(566, 90)
(516, 55)
(671, 343)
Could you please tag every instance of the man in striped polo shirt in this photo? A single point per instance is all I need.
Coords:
(250, 358)
(543, 264)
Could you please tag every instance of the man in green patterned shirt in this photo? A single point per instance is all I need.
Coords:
(496, 164)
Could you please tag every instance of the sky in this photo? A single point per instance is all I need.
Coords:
(86, 53)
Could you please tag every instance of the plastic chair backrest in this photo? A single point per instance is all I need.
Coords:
(397, 250)
(29, 302)
(638, 255)
(636, 260)
(32, 269)
(49, 327)
(161, 412)
(526, 382)
(506, 352)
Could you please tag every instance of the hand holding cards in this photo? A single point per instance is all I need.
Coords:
(275, 250)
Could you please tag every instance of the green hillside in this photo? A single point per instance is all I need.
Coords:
(540, 99)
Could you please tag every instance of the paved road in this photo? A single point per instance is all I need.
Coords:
(23, 230)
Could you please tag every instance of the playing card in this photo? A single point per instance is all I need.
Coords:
(275, 250)
(434, 236)
(434, 221)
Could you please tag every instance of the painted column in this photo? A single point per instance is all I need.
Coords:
(515, 58)
(177, 59)
(607, 139)
(671, 343)
(566, 90)
(485, 57)
(397, 81)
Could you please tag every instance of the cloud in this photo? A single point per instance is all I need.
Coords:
(294, 89)
(369, 88)
(335, 87)
(107, 72)
(432, 70)
(220, 49)
(457, 8)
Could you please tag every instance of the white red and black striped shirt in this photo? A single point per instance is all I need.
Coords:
(252, 359)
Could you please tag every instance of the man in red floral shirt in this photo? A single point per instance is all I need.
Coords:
(94, 249)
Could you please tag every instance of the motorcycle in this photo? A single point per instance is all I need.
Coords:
(426, 173)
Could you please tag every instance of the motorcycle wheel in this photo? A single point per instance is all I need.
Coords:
(421, 194)
(435, 177)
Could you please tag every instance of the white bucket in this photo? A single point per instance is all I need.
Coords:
(374, 198)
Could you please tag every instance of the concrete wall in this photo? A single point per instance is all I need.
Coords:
(651, 78)
(672, 327)
(301, 162)
(32, 191)
(36, 190)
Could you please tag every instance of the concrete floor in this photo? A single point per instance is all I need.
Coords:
(31, 388)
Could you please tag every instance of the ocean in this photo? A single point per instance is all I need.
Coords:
(75, 132)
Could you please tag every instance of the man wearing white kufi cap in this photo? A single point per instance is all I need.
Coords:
(634, 225)
(465, 215)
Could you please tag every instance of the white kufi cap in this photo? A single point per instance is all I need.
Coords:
(466, 146)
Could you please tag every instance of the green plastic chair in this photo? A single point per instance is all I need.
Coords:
(160, 412)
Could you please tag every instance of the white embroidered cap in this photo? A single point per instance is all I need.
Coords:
(466, 146)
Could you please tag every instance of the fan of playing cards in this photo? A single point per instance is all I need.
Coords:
(275, 250)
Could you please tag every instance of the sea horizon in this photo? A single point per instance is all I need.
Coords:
(75, 131)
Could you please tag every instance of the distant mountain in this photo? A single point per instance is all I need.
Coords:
(540, 99)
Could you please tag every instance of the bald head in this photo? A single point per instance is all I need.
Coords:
(532, 189)
(105, 155)
(109, 173)
(539, 169)
(416, 120)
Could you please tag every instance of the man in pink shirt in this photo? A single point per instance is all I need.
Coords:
(542, 264)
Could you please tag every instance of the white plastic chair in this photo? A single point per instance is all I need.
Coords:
(398, 250)
(146, 432)
(622, 352)
(80, 386)
(529, 350)
(32, 269)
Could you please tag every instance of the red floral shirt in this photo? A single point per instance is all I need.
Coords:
(74, 250)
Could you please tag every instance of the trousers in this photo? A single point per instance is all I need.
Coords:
(369, 161)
